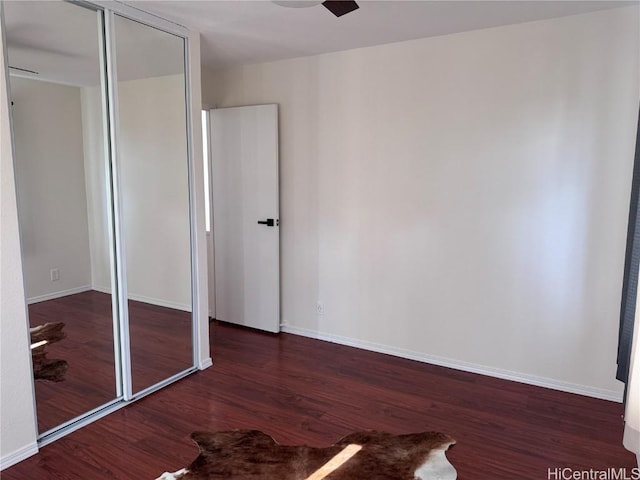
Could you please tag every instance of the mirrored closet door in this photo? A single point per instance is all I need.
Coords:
(56, 71)
(99, 117)
(154, 190)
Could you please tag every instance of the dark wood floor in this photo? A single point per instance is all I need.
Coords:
(160, 345)
(307, 391)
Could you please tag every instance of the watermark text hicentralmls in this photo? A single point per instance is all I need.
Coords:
(613, 473)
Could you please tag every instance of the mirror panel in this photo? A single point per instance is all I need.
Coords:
(154, 193)
(62, 178)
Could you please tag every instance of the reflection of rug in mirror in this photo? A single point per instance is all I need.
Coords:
(44, 368)
(253, 455)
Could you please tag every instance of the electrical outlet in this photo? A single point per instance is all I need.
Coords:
(55, 274)
(319, 308)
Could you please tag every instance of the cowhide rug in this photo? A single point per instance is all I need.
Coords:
(44, 368)
(253, 455)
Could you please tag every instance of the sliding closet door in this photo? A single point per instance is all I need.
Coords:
(55, 52)
(153, 193)
(99, 105)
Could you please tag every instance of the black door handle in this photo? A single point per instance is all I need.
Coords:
(269, 222)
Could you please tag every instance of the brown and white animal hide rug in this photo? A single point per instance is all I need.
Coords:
(45, 368)
(254, 455)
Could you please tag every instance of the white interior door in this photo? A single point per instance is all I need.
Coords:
(244, 171)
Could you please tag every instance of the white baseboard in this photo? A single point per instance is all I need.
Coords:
(206, 363)
(61, 293)
(100, 289)
(19, 455)
(460, 365)
(160, 302)
(150, 300)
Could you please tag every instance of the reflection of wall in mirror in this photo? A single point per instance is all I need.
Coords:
(96, 181)
(47, 124)
(154, 183)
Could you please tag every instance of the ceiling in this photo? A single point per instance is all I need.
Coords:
(241, 32)
(60, 41)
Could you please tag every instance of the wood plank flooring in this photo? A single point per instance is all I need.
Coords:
(307, 391)
(160, 346)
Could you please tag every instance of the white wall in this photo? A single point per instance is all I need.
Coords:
(51, 187)
(200, 288)
(155, 189)
(17, 412)
(95, 169)
(155, 194)
(460, 199)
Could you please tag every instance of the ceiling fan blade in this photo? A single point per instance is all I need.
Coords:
(339, 8)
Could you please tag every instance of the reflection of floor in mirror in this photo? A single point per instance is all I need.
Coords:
(160, 344)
